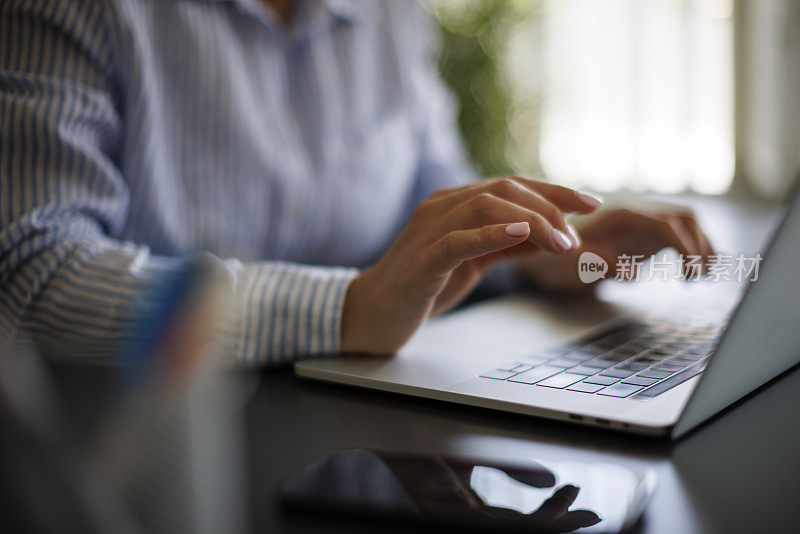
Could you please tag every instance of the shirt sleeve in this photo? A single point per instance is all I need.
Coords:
(65, 280)
(443, 162)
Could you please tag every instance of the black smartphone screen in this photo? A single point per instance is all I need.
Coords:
(535, 496)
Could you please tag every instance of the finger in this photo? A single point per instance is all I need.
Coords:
(461, 281)
(706, 249)
(569, 200)
(573, 234)
(687, 233)
(577, 519)
(487, 209)
(558, 504)
(670, 232)
(484, 263)
(691, 247)
(448, 191)
(523, 249)
(515, 192)
(461, 245)
(693, 268)
(549, 199)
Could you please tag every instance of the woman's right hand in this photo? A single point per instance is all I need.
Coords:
(450, 240)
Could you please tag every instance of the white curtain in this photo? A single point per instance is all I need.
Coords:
(768, 95)
(659, 95)
(637, 94)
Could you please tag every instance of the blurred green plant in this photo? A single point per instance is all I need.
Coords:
(475, 37)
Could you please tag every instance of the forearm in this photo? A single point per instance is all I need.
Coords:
(83, 300)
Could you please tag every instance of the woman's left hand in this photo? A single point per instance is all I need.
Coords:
(612, 232)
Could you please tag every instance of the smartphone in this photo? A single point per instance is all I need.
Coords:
(534, 496)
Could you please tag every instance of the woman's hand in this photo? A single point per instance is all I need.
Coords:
(451, 239)
(636, 231)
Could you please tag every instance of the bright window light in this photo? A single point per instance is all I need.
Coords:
(632, 94)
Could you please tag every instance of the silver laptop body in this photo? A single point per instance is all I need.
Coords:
(446, 358)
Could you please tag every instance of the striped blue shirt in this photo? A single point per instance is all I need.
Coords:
(136, 132)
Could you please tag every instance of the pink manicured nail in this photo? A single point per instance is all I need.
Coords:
(573, 235)
(518, 229)
(590, 200)
(562, 241)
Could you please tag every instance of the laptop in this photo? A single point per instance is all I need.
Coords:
(659, 373)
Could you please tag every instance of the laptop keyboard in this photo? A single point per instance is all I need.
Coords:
(640, 359)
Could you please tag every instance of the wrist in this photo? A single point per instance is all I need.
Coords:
(361, 317)
(376, 319)
(353, 317)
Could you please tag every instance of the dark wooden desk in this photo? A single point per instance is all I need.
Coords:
(738, 473)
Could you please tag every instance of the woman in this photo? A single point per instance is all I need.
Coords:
(292, 141)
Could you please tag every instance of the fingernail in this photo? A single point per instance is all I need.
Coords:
(590, 200)
(561, 240)
(573, 235)
(518, 229)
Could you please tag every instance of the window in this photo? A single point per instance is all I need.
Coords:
(616, 94)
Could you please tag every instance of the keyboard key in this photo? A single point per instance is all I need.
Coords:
(536, 374)
(632, 366)
(585, 387)
(497, 374)
(535, 360)
(632, 348)
(693, 357)
(623, 353)
(508, 366)
(560, 381)
(668, 367)
(617, 373)
(649, 373)
(620, 390)
(640, 381)
(554, 352)
(583, 370)
(659, 352)
(616, 331)
(563, 362)
(522, 367)
(673, 381)
(673, 348)
(591, 348)
(609, 342)
(600, 363)
(581, 355)
(601, 380)
(615, 356)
